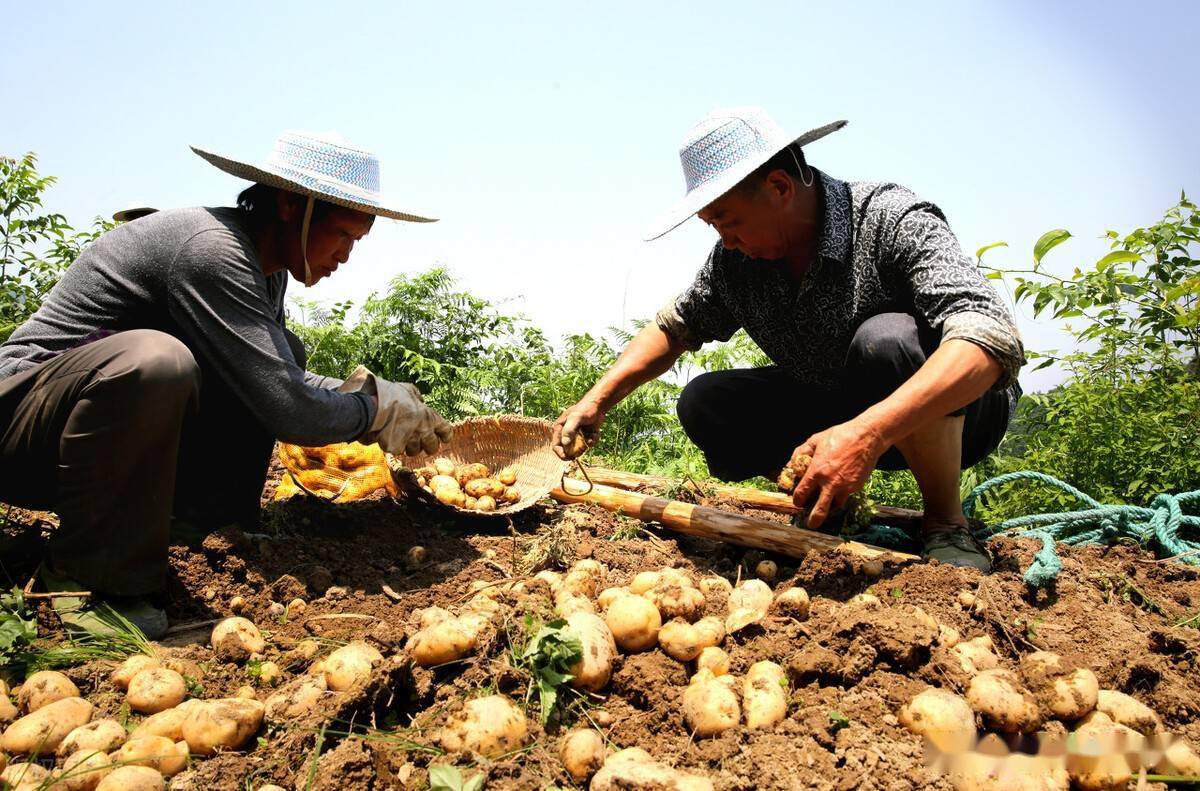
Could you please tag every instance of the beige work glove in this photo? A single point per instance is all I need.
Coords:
(403, 425)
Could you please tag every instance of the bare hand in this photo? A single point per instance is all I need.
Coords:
(576, 429)
(843, 457)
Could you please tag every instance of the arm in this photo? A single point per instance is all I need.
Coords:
(648, 356)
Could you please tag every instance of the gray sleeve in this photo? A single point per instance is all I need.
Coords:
(951, 293)
(699, 315)
(217, 294)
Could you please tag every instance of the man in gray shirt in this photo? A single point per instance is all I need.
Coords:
(156, 376)
(890, 347)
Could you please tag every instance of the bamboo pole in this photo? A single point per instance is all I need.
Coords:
(755, 498)
(698, 520)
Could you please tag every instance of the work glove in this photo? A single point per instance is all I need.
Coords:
(403, 425)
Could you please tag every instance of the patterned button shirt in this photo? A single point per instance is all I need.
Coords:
(882, 250)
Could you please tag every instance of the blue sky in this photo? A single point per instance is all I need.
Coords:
(545, 134)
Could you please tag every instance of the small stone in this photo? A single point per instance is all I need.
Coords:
(335, 592)
(276, 610)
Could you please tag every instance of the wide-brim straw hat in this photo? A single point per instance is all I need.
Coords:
(132, 212)
(322, 165)
(728, 145)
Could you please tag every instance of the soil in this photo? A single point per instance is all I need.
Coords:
(852, 665)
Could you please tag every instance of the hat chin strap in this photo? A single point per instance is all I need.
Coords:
(308, 209)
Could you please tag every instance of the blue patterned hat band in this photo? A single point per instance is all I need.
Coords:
(319, 165)
(720, 151)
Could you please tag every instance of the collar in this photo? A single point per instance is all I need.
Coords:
(835, 227)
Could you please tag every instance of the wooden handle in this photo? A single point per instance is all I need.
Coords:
(698, 520)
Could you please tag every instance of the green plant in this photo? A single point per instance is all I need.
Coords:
(547, 656)
(449, 778)
(18, 629)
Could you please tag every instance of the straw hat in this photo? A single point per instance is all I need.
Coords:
(319, 165)
(720, 151)
(132, 212)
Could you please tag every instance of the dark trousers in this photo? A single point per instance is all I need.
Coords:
(118, 435)
(749, 421)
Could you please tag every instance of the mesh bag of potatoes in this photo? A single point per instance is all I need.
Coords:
(343, 472)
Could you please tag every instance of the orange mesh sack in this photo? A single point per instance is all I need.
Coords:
(342, 472)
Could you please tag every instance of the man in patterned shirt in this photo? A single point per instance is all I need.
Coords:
(891, 350)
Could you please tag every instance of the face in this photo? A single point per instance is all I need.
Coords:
(753, 220)
(332, 237)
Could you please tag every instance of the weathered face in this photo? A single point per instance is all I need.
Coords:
(754, 221)
(332, 238)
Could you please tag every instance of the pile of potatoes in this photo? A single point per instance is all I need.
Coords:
(469, 486)
(1109, 728)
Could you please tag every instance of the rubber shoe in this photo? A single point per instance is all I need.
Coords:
(83, 616)
(956, 546)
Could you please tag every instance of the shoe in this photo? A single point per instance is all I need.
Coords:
(957, 546)
(110, 615)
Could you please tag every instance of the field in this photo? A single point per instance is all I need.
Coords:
(851, 665)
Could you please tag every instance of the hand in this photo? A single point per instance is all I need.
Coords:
(576, 429)
(842, 460)
(403, 424)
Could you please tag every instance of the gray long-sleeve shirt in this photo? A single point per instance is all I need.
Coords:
(194, 274)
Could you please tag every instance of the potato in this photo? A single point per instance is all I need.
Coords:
(552, 579)
(429, 616)
(223, 722)
(82, 771)
(247, 692)
(710, 585)
(948, 636)
(869, 600)
(415, 557)
(132, 778)
(168, 724)
(973, 771)
(793, 602)
(444, 482)
(1179, 759)
(155, 689)
(714, 660)
(24, 777)
(444, 466)
(485, 503)
(669, 575)
(975, 655)
(511, 495)
(710, 706)
(45, 687)
(445, 641)
(710, 630)
(42, 731)
(448, 496)
(582, 753)
(585, 578)
(633, 768)
(102, 735)
(8, 712)
(507, 476)
(235, 639)
(767, 571)
(683, 641)
(942, 717)
(764, 695)
(567, 603)
(491, 726)
(139, 662)
(748, 603)
(644, 581)
(594, 668)
(1071, 696)
(158, 752)
(296, 699)
(1098, 760)
(676, 601)
(1004, 702)
(609, 595)
(1128, 711)
(634, 623)
(470, 472)
(350, 665)
(485, 486)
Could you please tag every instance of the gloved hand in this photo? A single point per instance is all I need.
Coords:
(403, 425)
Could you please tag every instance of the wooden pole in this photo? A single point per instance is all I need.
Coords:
(755, 498)
(698, 520)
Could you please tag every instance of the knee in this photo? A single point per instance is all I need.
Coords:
(889, 342)
(161, 364)
(691, 406)
(299, 353)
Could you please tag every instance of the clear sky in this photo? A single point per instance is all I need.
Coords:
(546, 134)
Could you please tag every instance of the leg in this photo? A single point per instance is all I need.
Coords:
(97, 430)
(225, 452)
(748, 421)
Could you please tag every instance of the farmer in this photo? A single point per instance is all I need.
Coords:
(891, 350)
(148, 390)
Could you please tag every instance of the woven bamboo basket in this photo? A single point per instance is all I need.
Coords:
(522, 443)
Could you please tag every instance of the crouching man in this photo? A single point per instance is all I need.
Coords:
(891, 349)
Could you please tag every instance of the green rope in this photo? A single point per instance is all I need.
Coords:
(1160, 527)
(1163, 526)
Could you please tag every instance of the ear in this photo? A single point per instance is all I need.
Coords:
(780, 186)
(288, 205)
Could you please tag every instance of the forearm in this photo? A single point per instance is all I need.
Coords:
(956, 374)
(648, 356)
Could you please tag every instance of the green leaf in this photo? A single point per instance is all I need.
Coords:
(1117, 257)
(474, 784)
(445, 778)
(994, 275)
(1048, 241)
(979, 253)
